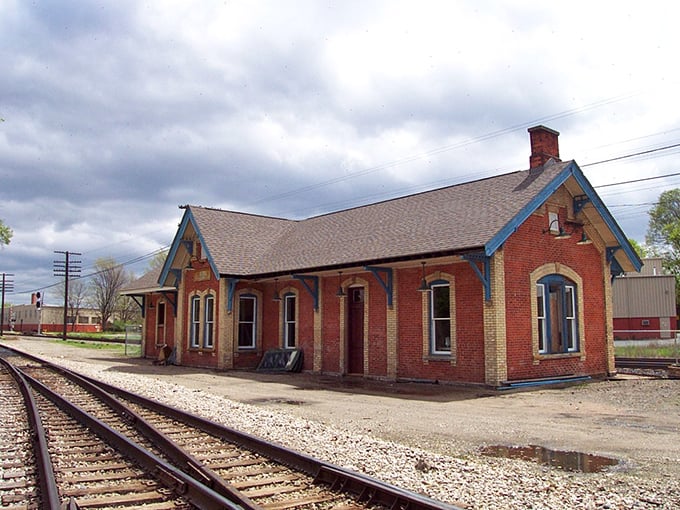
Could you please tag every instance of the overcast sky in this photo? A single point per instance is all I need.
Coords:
(117, 112)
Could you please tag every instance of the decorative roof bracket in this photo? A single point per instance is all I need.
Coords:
(386, 283)
(484, 277)
(231, 289)
(614, 267)
(313, 289)
(189, 245)
(580, 202)
(171, 296)
(141, 304)
(177, 273)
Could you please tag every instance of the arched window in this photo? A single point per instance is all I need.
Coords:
(195, 324)
(557, 317)
(440, 317)
(209, 328)
(247, 321)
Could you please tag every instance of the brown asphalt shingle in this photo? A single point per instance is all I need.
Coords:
(455, 218)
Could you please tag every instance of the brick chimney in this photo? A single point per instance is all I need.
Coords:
(544, 146)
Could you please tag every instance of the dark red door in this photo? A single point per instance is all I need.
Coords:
(355, 336)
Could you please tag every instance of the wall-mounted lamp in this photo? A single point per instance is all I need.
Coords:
(584, 239)
(276, 290)
(341, 292)
(561, 233)
(424, 287)
(558, 232)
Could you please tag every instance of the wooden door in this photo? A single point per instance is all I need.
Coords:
(355, 331)
(160, 323)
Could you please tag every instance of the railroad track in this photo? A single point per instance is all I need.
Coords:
(642, 363)
(202, 464)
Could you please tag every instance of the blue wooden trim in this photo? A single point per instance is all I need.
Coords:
(169, 296)
(505, 232)
(624, 244)
(187, 219)
(189, 245)
(387, 284)
(231, 289)
(141, 305)
(313, 290)
(177, 273)
(484, 277)
(176, 243)
(590, 195)
(580, 202)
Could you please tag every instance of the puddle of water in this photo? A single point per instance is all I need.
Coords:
(569, 461)
(276, 401)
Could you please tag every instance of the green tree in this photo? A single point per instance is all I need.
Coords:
(663, 232)
(640, 249)
(158, 260)
(5, 233)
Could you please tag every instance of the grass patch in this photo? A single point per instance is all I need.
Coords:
(132, 350)
(651, 350)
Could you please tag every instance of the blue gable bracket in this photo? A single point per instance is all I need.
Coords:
(589, 196)
(231, 289)
(615, 268)
(507, 230)
(387, 283)
(580, 202)
(187, 219)
(484, 277)
(189, 245)
(313, 289)
(172, 299)
(141, 304)
(611, 251)
(177, 273)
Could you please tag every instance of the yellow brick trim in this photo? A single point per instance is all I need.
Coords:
(495, 335)
(425, 313)
(534, 277)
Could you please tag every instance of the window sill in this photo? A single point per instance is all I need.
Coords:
(559, 355)
(439, 357)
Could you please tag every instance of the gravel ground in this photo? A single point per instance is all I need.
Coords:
(427, 438)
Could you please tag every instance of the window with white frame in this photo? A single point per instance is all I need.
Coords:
(289, 324)
(209, 326)
(440, 318)
(556, 314)
(195, 323)
(247, 315)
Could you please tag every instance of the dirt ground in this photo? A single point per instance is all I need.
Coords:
(633, 419)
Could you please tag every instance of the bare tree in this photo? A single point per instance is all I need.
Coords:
(158, 260)
(107, 281)
(77, 294)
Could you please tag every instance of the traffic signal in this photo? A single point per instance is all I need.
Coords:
(38, 299)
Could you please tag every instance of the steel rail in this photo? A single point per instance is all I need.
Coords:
(48, 484)
(653, 363)
(182, 459)
(176, 480)
(364, 487)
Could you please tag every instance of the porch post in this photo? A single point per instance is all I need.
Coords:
(495, 341)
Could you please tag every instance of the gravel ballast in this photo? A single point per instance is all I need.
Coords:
(426, 438)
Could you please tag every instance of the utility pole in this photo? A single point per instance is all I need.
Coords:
(7, 286)
(68, 269)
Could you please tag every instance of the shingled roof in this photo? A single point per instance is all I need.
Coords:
(459, 218)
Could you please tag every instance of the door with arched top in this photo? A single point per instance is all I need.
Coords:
(355, 331)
